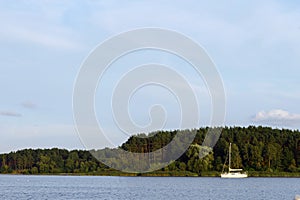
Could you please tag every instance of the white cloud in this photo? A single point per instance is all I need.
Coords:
(277, 117)
(10, 114)
(29, 105)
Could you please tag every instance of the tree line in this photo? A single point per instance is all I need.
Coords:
(260, 149)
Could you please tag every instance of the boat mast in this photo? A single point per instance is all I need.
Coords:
(229, 156)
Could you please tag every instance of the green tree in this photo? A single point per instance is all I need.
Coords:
(198, 164)
(235, 157)
(44, 164)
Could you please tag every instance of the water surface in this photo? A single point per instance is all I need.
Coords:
(181, 188)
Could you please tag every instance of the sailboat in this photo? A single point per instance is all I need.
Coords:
(233, 173)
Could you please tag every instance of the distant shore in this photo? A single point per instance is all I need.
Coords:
(166, 174)
(260, 151)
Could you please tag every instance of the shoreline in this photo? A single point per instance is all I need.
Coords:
(165, 174)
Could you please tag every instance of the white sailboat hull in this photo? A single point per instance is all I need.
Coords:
(234, 175)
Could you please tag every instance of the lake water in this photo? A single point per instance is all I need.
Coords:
(111, 188)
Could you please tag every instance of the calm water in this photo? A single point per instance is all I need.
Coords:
(89, 187)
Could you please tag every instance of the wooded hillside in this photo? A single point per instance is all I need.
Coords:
(260, 149)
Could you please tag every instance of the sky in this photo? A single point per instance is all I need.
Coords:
(255, 46)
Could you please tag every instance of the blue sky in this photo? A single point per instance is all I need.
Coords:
(255, 46)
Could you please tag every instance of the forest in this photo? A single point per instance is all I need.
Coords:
(261, 151)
